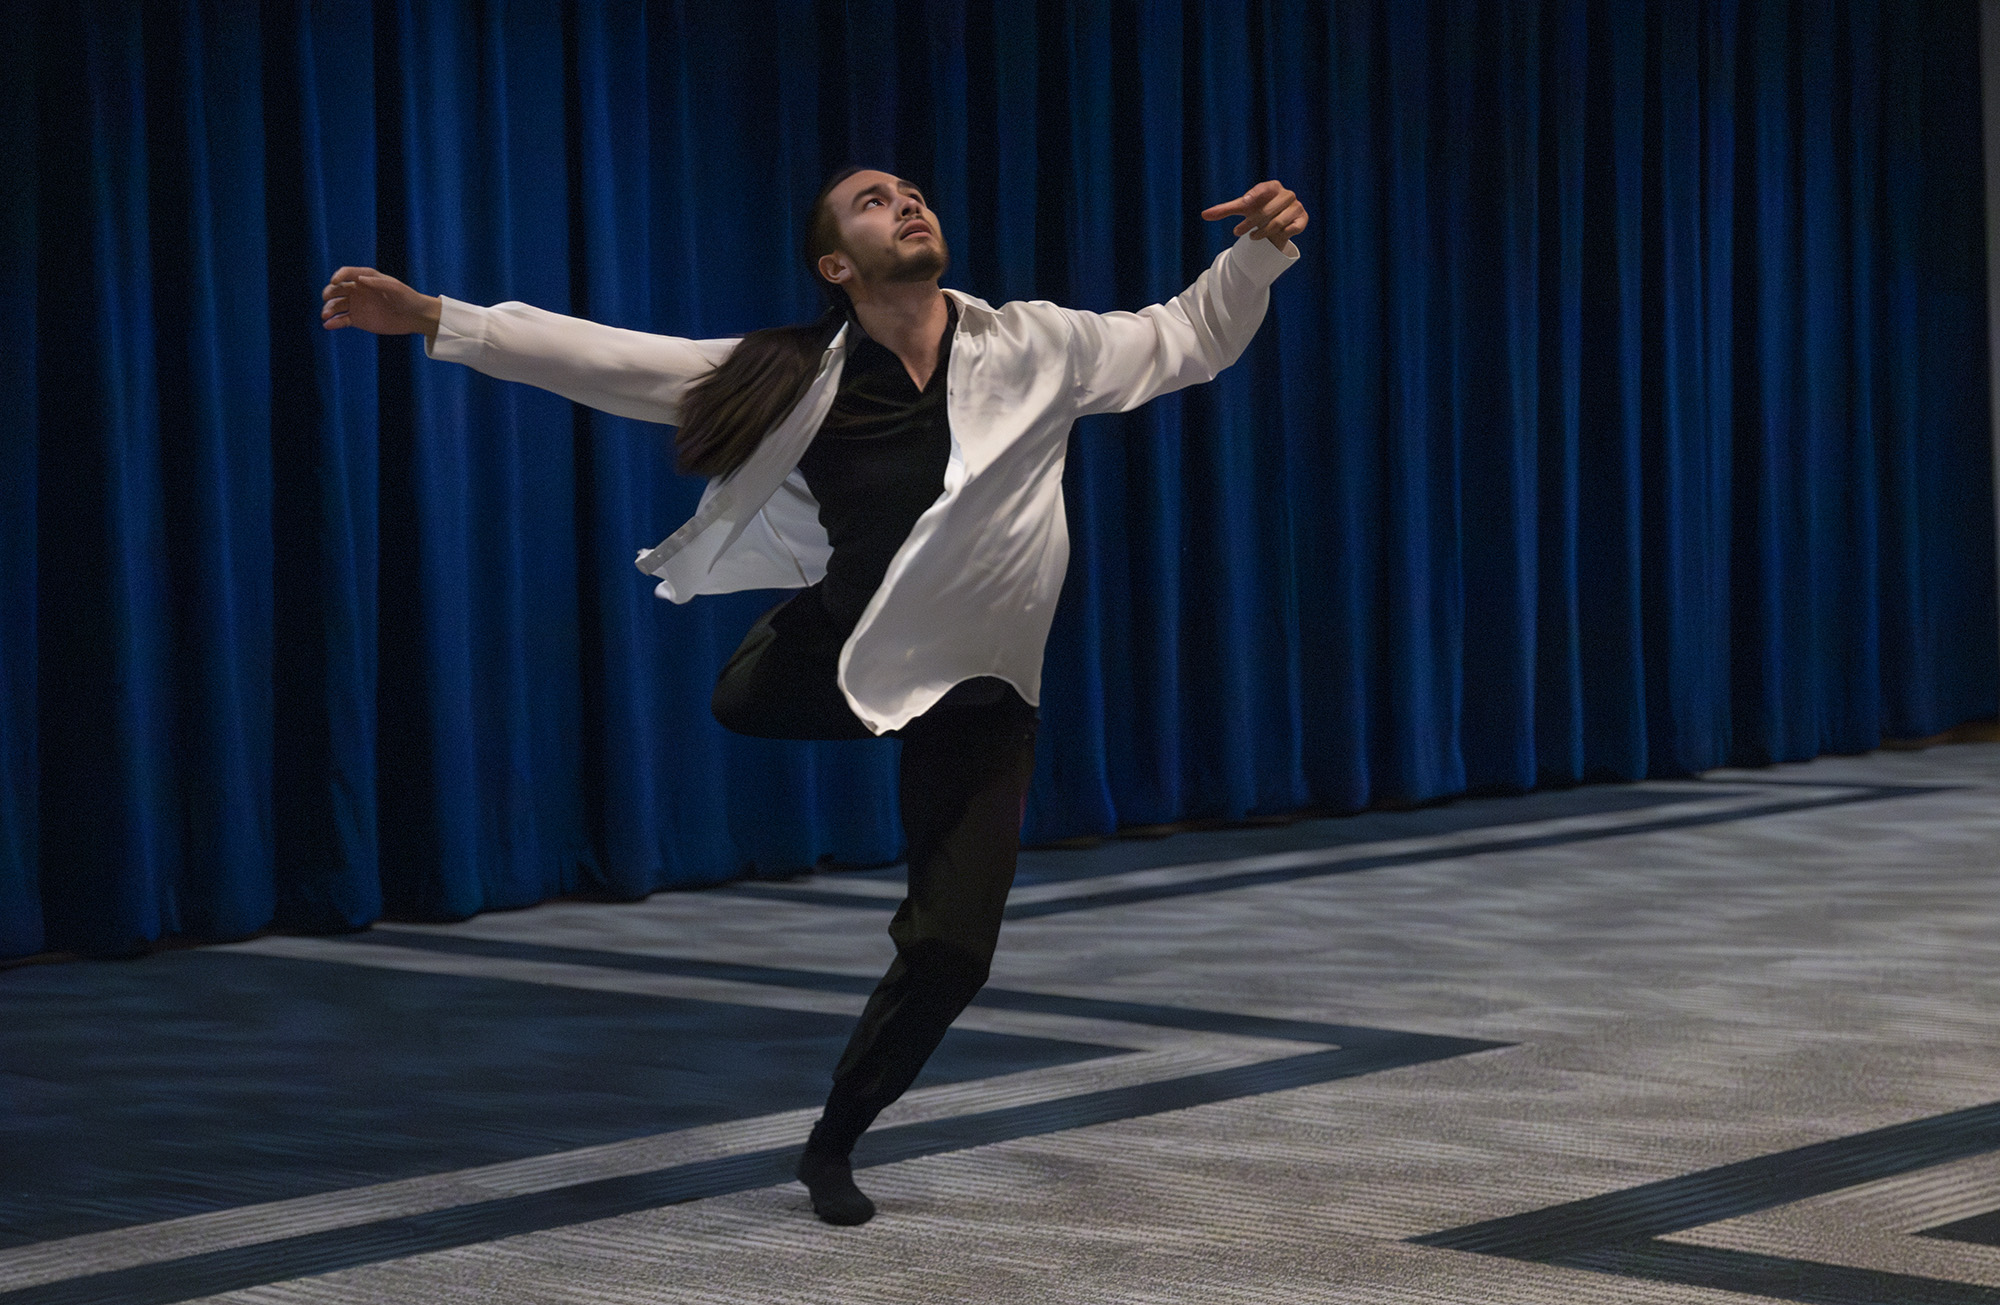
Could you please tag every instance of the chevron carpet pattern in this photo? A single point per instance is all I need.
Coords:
(1721, 1040)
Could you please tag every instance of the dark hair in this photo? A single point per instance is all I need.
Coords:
(726, 413)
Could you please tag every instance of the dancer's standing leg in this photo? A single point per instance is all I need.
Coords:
(963, 786)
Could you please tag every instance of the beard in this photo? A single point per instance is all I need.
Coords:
(921, 262)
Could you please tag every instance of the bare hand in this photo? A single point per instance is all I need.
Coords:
(375, 301)
(1268, 210)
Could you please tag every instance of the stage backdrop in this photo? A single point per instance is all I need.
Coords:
(1625, 415)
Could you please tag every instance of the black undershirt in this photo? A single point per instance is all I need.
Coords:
(876, 464)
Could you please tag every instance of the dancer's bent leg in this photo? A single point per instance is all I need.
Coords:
(964, 779)
(779, 683)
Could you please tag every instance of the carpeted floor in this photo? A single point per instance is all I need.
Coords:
(1721, 1040)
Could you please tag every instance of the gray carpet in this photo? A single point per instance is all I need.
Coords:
(1721, 1040)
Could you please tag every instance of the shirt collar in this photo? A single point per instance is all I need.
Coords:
(850, 333)
(971, 311)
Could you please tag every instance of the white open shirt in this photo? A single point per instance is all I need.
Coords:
(973, 589)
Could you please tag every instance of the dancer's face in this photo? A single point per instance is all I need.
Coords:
(887, 233)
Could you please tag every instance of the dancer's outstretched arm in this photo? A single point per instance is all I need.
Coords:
(1121, 360)
(629, 373)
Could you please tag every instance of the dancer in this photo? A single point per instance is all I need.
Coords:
(898, 462)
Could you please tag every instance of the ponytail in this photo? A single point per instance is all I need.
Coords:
(726, 414)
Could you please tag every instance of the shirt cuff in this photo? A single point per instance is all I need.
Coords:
(1263, 260)
(461, 332)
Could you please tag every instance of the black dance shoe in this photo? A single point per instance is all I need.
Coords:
(830, 1180)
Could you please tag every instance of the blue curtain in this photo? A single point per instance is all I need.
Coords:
(1626, 415)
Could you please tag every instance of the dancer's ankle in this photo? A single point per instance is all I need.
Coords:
(833, 1137)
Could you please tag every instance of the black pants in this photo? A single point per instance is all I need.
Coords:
(963, 785)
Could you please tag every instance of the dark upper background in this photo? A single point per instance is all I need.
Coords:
(1626, 414)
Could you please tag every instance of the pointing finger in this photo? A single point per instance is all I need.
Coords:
(1250, 200)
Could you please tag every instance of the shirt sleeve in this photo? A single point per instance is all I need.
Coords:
(628, 373)
(1121, 360)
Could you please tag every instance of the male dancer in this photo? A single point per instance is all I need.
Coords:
(899, 462)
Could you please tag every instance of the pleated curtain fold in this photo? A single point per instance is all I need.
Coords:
(1627, 415)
